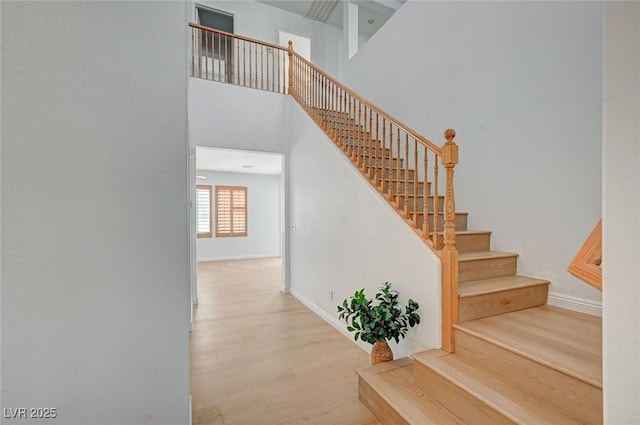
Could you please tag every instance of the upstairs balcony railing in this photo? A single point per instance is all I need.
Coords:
(230, 58)
(414, 174)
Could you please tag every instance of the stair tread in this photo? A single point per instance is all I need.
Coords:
(497, 284)
(481, 255)
(565, 340)
(393, 381)
(517, 406)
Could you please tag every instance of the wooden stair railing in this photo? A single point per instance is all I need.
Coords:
(587, 264)
(397, 162)
(394, 158)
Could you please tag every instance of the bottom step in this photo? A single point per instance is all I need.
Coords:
(389, 392)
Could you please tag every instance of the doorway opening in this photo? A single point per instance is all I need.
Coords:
(238, 212)
(215, 46)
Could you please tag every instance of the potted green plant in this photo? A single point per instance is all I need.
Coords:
(379, 319)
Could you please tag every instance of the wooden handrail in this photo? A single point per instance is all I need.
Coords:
(432, 146)
(587, 264)
(239, 37)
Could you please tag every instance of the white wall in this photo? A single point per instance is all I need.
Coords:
(227, 116)
(521, 84)
(347, 237)
(621, 217)
(263, 219)
(95, 288)
(262, 22)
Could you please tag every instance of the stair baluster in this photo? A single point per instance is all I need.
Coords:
(393, 194)
(406, 176)
(415, 184)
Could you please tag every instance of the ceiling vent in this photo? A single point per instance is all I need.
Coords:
(321, 10)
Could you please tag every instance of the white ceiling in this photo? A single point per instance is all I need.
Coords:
(238, 161)
(378, 10)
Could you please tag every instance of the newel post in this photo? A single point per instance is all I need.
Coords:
(449, 256)
(290, 53)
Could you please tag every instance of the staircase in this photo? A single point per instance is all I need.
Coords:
(516, 360)
(507, 357)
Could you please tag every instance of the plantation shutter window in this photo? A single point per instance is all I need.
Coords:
(203, 211)
(231, 211)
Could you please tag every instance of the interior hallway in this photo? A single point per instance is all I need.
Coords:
(260, 357)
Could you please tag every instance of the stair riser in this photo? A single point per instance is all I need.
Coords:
(379, 180)
(334, 119)
(378, 405)
(400, 184)
(469, 243)
(348, 134)
(487, 268)
(475, 307)
(466, 407)
(333, 114)
(351, 132)
(362, 141)
(579, 399)
(395, 173)
(370, 161)
(460, 221)
(369, 152)
(412, 208)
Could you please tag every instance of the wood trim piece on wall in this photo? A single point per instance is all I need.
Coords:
(587, 264)
(208, 234)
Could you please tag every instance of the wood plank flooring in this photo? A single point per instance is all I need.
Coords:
(260, 357)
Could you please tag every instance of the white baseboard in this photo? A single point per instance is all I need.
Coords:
(581, 305)
(329, 319)
(237, 257)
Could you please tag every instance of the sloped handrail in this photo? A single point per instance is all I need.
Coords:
(396, 161)
(587, 264)
(362, 100)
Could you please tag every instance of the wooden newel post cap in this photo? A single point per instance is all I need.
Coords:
(449, 134)
(290, 46)
(449, 149)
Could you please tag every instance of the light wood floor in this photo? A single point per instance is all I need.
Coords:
(260, 357)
